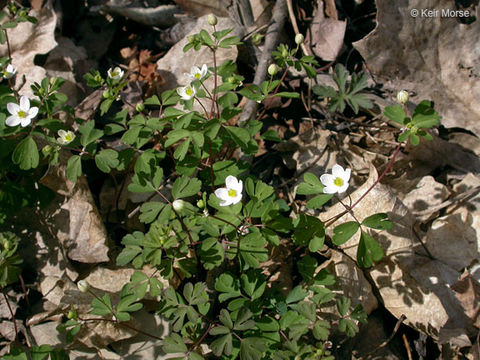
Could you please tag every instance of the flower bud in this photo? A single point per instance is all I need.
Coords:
(299, 39)
(140, 107)
(272, 69)
(191, 38)
(257, 39)
(403, 97)
(200, 204)
(83, 286)
(178, 205)
(212, 20)
(72, 314)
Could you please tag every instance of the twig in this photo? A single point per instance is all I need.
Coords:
(407, 347)
(11, 313)
(271, 40)
(385, 343)
(293, 20)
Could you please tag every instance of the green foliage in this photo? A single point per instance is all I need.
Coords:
(179, 159)
(351, 94)
(424, 117)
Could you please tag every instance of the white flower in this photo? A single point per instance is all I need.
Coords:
(9, 71)
(186, 92)
(21, 114)
(65, 137)
(243, 230)
(197, 73)
(403, 97)
(232, 193)
(178, 205)
(337, 181)
(115, 74)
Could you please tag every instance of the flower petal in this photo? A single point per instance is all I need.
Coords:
(24, 103)
(236, 199)
(25, 121)
(330, 189)
(12, 120)
(327, 180)
(342, 188)
(346, 175)
(231, 182)
(222, 193)
(62, 133)
(204, 70)
(33, 112)
(13, 108)
(337, 171)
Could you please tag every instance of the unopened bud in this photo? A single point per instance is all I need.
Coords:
(72, 314)
(191, 38)
(403, 97)
(299, 39)
(212, 20)
(178, 205)
(273, 69)
(83, 286)
(140, 107)
(257, 39)
(201, 204)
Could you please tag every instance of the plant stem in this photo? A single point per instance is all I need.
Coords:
(11, 313)
(389, 166)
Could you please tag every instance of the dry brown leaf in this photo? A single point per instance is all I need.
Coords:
(203, 7)
(467, 291)
(325, 35)
(422, 55)
(28, 40)
(76, 219)
(408, 282)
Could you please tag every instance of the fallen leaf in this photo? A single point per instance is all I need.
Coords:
(421, 54)
(28, 40)
(325, 35)
(467, 291)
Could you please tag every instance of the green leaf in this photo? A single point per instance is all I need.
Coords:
(253, 283)
(368, 251)
(286, 94)
(414, 139)
(211, 253)
(378, 221)
(307, 309)
(174, 344)
(310, 231)
(318, 201)
(222, 345)
(228, 286)
(228, 42)
(184, 187)
(348, 327)
(9, 24)
(102, 306)
(321, 330)
(226, 319)
(89, 133)
(252, 250)
(240, 136)
(106, 160)
(395, 113)
(343, 232)
(340, 77)
(271, 135)
(244, 320)
(312, 185)
(206, 38)
(343, 305)
(307, 267)
(252, 348)
(298, 293)
(128, 254)
(404, 136)
(74, 168)
(26, 154)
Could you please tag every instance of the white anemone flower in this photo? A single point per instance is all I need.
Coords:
(9, 71)
(186, 92)
(65, 137)
(115, 73)
(232, 193)
(196, 73)
(337, 181)
(21, 114)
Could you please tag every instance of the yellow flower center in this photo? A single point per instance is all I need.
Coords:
(114, 74)
(68, 137)
(338, 182)
(232, 193)
(198, 75)
(21, 114)
(189, 91)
